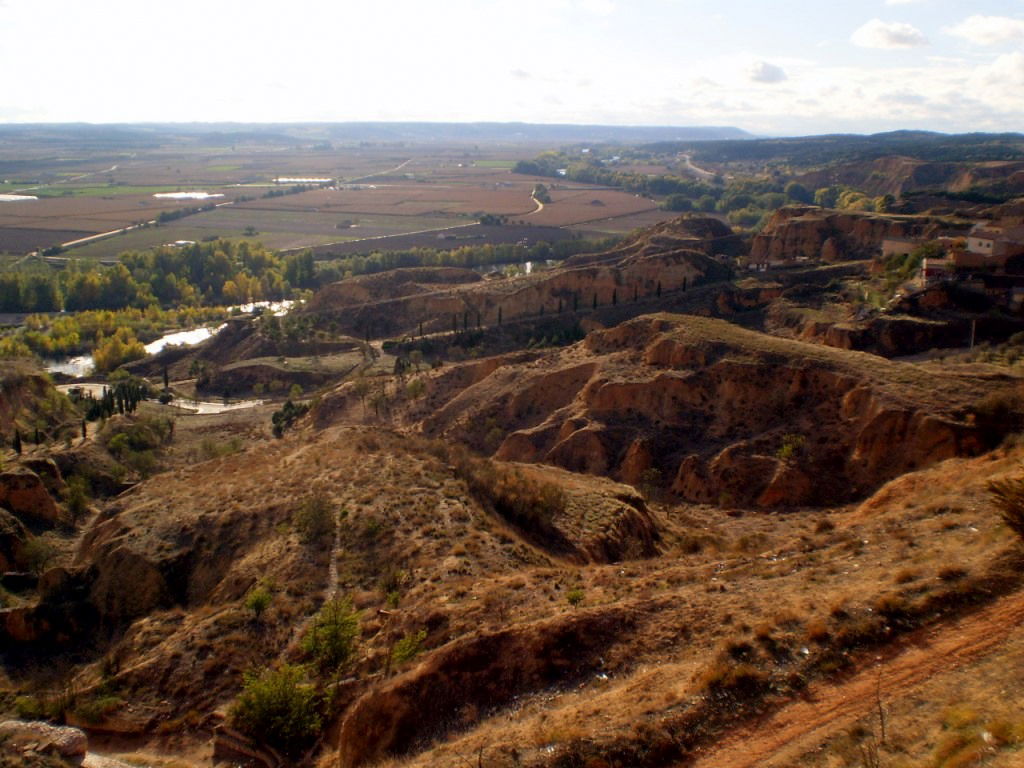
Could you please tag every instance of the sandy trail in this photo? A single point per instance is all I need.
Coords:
(781, 737)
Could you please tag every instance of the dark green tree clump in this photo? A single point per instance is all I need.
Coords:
(283, 419)
(277, 707)
(331, 640)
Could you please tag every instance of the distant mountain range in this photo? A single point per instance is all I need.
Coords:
(149, 134)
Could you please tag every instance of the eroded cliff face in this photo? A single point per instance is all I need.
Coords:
(817, 233)
(898, 175)
(715, 414)
(664, 260)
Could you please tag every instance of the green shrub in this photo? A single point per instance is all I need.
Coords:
(314, 520)
(791, 447)
(574, 597)
(211, 449)
(29, 708)
(39, 553)
(331, 640)
(279, 708)
(258, 600)
(77, 496)
(290, 412)
(408, 648)
(96, 710)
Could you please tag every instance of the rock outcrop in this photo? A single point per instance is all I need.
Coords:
(13, 536)
(815, 233)
(29, 739)
(715, 414)
(23, 492)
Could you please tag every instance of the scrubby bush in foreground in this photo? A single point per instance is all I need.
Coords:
(1008, 496)
(279, 708)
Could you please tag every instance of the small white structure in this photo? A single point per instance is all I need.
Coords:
(996, 241)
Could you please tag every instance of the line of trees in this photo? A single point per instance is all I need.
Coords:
(201, 274)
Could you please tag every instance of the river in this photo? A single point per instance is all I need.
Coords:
(82, 365)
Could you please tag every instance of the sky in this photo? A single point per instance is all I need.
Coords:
(771, 68)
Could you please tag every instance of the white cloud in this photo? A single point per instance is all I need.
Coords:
(988, 30)
(880, 34)
(1004, 75)
(763, 72)
(599, 7)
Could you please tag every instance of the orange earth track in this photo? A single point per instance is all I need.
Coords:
(780, 738)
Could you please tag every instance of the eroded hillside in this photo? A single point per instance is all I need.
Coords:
(620, 546)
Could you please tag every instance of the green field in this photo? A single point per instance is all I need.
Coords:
(105, 190)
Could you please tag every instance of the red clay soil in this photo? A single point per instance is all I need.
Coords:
(780, 738)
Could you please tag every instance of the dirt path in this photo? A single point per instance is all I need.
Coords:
(330, 589)
(780, 738)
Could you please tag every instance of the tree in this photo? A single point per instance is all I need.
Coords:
(277, 707)
(314, 520)
(885, 203)
(16, 443)
(331, 639)
(677, 202)
(826, 197)
(798, 193)
(258, 600)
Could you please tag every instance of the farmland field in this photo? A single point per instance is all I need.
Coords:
(23, 240)
(578, 204)
(471, 234)
(386, 195)
(623, 224)
(277, 229)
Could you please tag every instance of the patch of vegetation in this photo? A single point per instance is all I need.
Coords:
(134, 442)
(258, 600)
(214, 273)
(290, 413)
(791, 447)
(408, 647)
(212, 449)
(97, 709)
(278, 707)
(314, 520)
(39, 553)
(331, 639)
(76, 496)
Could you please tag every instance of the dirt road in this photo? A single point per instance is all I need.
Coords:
(780, 738)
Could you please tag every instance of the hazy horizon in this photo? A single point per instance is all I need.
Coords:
(771, 69)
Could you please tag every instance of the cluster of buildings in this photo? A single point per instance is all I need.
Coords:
(990, 258)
